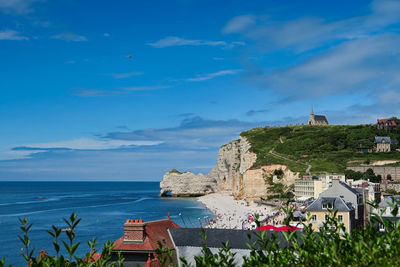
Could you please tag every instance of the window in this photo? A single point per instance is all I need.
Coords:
(326, 217)
(340, 218)
(314, 218)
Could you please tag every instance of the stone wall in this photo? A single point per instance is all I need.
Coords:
(383, 171)
(395, 187)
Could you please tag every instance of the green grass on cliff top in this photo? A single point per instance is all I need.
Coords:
(328, 148)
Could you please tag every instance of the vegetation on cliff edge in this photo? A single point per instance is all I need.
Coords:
(326, 148)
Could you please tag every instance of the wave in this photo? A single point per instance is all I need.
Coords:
(69, 208)
(30, 202)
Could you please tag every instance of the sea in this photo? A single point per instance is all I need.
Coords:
(102, 206)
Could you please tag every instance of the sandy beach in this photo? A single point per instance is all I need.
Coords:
(236, 214)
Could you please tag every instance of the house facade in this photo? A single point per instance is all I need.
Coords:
(327, 179)
(382, 143)
(322, 208)
(313, 186)
(386, 124)
(349, 195)
(307, 187)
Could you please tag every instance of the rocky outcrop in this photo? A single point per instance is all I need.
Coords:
(186, 184)
(232, 174)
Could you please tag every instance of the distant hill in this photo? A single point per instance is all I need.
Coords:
(318, 149)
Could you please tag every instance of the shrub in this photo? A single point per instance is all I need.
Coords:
(332, 246)
(45, 259)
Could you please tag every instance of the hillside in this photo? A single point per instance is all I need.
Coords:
(317, 148)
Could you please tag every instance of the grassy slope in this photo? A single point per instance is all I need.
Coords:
(328, 148)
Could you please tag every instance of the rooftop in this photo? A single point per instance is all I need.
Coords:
(382, 139)
(393, 123)
(320, 118)
(155, 231)
(192, 237)
(336, 203)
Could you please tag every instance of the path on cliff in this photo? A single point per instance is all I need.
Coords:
(273, 153)
(308, 168)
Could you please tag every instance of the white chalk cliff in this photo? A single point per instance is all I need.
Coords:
(232, 174)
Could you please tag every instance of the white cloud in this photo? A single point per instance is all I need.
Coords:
(209, 76)
(389, 97)
(90, 144)
(17, 6)
(177, 41)
(359, 65)
(239, 23)
(145, 88)
(305, 33)
(106, 34)
(84, 92)
(69, 36)
(126, 75)
(11, 35)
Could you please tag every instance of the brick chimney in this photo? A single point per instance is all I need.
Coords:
(134, 231)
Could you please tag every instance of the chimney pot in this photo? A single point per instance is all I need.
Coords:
(134, 231)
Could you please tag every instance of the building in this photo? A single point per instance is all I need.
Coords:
(321, 209)
(140, 241)
(313, 186)
(382, 143)
(386, 124)
(317, 119)
(188, 242)
(349, 195)
(308, 187)
(386, 208)
(373, 190)
(327, 179)
(365, 149)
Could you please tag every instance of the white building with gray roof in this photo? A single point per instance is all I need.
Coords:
(349, 194)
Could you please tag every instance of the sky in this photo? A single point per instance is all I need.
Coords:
(127, 90)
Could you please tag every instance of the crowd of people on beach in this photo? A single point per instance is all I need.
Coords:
(237, 214)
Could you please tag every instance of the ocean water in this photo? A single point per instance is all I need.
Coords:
(102, 206)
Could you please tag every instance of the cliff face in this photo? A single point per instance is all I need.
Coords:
(232, 175)
(186, 184)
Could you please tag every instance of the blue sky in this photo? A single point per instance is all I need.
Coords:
(74, 106)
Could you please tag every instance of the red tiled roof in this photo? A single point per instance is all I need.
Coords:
(155, 231)
(385, 120)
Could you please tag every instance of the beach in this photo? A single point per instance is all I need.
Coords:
(237, 214)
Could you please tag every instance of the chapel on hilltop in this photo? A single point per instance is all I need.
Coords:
(317, 119)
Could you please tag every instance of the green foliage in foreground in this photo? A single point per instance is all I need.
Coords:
(332, 246)
(327, 148)
(64, 243)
